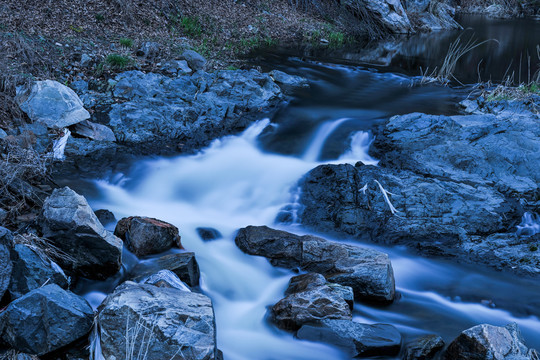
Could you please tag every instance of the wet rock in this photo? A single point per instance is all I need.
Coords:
(70, 224)
(6, 242)
(51, 103)
(195, 60)
(368, 272)
(45, 319)
(93, 131)
(308, 300)
(149, 50)
(208, 234)
(31, 271)
(431, 214)
(358, 340)
(184, 265)
(105, 216)
(165, 278)
(389, 13)
(289, 84)
(423, 348)
(174, 324)
(488, 342)
(146, 236)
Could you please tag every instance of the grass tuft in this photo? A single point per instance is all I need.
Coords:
(117, 61)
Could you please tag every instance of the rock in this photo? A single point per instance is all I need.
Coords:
(358, 340)
(309, 300)
(3, 214)
(368, 272)
(389, 13)
(165, 323)
(289, 84)
(79, 86)
(70, 224)
(431, 214)
(31, 271)
(176, 67)
(3, 134)
(488, 342)
(417, 5)
(149, 50)
(423, 348)
(105, 217)
(6, 242)
(146, 236)
(184, 265)
(208, 234)
(93, 131)
(51, 103)
(45, 319)
(195, 60)
(86, 60)
(165, 278)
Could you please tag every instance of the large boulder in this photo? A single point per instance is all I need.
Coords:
(389, 13)
(70, 224)
(45, 320)
(6, 242)
(358, 340)
(32, 270)
(51, 103)
(488, 342)
(423, 348)
(368, 272)
(184, 265)
(162, 323)
(147, 236)
(309, 299)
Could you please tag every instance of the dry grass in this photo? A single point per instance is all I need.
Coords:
(45, 249)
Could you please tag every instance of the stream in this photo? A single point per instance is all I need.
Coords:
(248, 178)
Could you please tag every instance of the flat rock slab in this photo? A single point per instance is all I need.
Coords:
(147, 236)
(368, 272)
(184, 265)
(163, 323)
(51, 103)
(45, 320)
(70, 224)
(358, 340)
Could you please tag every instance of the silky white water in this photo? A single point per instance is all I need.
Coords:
(233, 184)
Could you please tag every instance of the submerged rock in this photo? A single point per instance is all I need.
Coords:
(488, 342)
(45, 320)
(423, 348)
(208, 234)
(31, 271)
(309, 299)
(368, 272)
(162, 323)
(146, 236)
(70, 224)
(51, 103)
(358, 340)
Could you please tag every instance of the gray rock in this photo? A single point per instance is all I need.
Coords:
(176, 67)
(417, 5)
(165, 278)
(368, 272)
(105, 216)
(149, 50)
(31, 271)
(80, 86)
(3, 134)
(6, 242)
(93, 131)
(146, 236)
(358, 340)
(423, 348)
(184, 265)
(45, 320)
(86, 60)
(309, 299)
(488, 342)
(70, 224)
(208, 234)
(163, 323)
(389, 13)
(51, 103)
(289, 84)
(195, 60)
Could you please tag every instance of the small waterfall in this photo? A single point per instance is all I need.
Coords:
(360, 143)
(325, 130)
(530, 225)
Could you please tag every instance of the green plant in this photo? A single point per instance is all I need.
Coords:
(126, 42)
(231, 67)
(77, 29)
(117, 61)
(99, 17)
(336, 38)
(191, 26)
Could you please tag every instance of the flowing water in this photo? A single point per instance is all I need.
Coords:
(247, 179)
